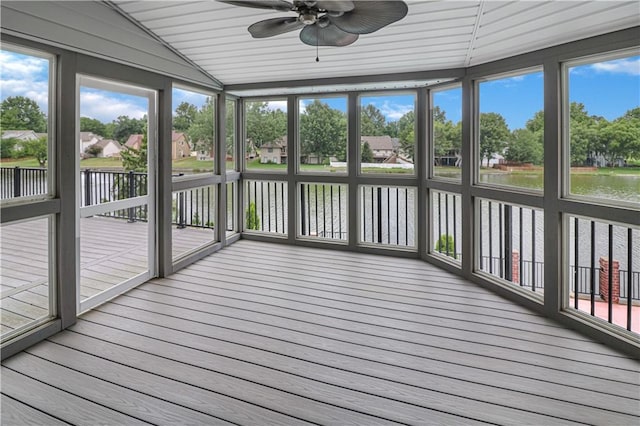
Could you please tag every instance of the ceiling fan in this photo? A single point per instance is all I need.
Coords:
(325, 22)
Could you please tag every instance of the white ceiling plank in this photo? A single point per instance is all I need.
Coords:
(434, 34)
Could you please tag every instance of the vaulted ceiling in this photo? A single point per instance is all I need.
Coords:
(434, 35)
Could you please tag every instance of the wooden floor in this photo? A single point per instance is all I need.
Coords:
(267, 334)
(111, 251)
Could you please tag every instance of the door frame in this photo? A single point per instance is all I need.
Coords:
(83, 80)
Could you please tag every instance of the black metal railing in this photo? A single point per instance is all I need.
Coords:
(266, 206)
(98, 187)
(447, 224)
(323, 210)
(511, 235)
(387, 215)
(606, 255)
(231, 207)
(195, 207)
(22, 182)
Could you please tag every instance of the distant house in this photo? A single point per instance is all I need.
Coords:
(110, 148)
(274, 152)
(22, 135)
(179, 146)
(451, 158)
(87, 139)
(383, 147)
(134, 142)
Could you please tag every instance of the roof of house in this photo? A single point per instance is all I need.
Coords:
(177, 135)
(379, 142)
(104, 142)
(87, 136)
(7, 134)
(133, 141)
(280, 143)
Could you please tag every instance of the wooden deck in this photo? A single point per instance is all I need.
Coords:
(271, 334)
(112, 250)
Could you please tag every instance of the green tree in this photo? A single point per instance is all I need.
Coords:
(620, 139)
(406, 134)
(392, 129)
(184, 116)
(124, 126)
(230, 123)
(524, 147)
(22, 113)
(93, 150)
(135, 160)
(494, 134)
(447, 135)
(632, 114)
(38, 149)
(367, 153)
(92, 125)
(323, 130)
(251, 217)
(372, 121)
(264, 125)
(446, 245)
(202, 131)
(7, 147)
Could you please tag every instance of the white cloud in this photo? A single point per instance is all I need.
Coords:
(275, 105)
(393, 111)
(22, 75)
(194, 98)
(106, 107)
(620, 66)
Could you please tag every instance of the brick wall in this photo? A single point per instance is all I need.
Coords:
(604, 280)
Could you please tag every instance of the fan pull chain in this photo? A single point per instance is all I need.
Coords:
(317, 43)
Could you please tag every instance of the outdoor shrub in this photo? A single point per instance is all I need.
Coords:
(445, 244)
(252, 220)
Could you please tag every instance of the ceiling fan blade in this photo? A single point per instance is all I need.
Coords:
(328, 36)
(274, 26)
(281, 5)
(369, 16)
(335, 5)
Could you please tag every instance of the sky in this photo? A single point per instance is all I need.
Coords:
(607, 89)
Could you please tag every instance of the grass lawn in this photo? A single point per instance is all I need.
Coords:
(192, 164)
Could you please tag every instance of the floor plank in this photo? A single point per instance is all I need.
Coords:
(271, 334)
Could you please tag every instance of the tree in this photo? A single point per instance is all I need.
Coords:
(184, 116)
(493, 134)
(251, 217)
(446, 245)
(202, 131)
(124, 126)
(264, 125)
(94, 150)
(22, 113)
(135, 160)
(524, 147)
(367, 153)
(230, 126)
(92, 125)
(38, 149)
(7, 147)
(372, 121)
(447, 135)
(323, 130)
(406, 134)
(620, 139)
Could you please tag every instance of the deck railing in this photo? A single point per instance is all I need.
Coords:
(22, 182)
(387, 217)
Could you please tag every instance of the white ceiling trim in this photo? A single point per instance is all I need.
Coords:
(474, 33)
